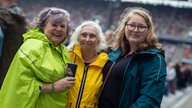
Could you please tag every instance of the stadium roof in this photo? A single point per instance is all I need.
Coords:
(173, 3)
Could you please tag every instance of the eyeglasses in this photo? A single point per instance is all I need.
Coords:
(132, 27)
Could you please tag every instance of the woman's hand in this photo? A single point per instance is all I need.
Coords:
(64, 83)
(60, 85)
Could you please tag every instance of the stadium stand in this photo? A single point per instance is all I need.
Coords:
(172, 24)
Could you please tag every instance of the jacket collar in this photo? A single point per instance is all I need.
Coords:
(100, 61)
(115, 54)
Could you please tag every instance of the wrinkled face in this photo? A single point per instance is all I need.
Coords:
(55, 31)
(88, 38)
(136, 29)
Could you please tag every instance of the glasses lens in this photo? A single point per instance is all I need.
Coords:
(141, 28)
(131, 27)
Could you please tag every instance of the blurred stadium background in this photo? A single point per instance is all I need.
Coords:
(172, 18)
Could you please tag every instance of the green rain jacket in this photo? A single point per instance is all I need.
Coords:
(36, 62)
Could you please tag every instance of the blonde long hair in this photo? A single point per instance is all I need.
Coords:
(151, 38)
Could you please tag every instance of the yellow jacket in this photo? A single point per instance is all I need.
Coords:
(89, 80)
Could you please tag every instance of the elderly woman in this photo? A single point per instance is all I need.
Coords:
(87, 41)
(137, 69)
(36, 76)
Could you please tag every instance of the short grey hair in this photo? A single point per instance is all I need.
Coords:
(40, 20)
(100, 35)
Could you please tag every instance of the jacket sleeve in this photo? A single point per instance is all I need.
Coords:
(153, 76)
(20, 86)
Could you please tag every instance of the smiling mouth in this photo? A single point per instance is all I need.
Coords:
(134, 36)
(56, 35)
(88, 43)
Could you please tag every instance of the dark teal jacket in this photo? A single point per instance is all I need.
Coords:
(143, 80)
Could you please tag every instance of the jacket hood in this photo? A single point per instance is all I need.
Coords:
(114, 55)
(35, 33)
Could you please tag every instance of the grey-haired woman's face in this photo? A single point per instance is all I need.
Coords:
(55, 31)
(88, 38)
